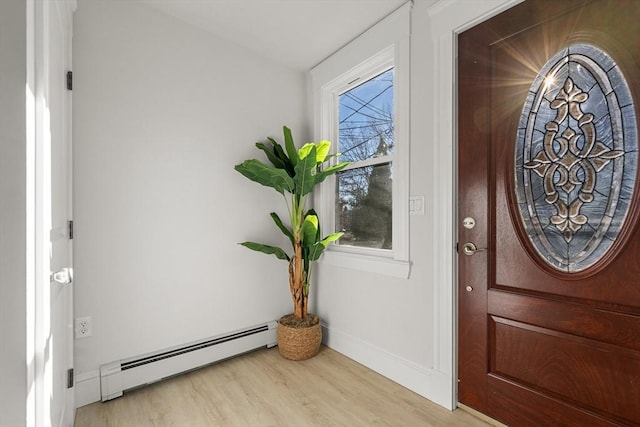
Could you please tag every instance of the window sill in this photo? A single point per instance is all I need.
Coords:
(371, 264)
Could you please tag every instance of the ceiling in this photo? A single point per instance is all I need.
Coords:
(295, 33)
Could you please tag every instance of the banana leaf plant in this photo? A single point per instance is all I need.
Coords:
(294, 173)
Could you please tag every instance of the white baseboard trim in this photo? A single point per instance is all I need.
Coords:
(87, 385)
(429, 383)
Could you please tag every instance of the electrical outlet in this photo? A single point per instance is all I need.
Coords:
(83, 327)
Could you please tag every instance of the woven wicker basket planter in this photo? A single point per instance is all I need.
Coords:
(299, 342)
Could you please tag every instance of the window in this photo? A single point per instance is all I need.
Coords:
(364, 208)
(362, 99)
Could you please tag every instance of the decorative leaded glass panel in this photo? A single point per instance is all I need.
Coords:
(576, 158)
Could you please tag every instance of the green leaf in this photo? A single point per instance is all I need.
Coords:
(304, 151)
(322, 150)
(304, 178)
(282, 227)
(282, 155)
(310, 231)
(266, 175)
(331, 238)
(314, 213)
(324, 173)
(290, 146)
(310, 235)
(275, 160)
(312, 219)
(267, 249)
(317, 249)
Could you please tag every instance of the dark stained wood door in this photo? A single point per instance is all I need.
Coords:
(538, 346)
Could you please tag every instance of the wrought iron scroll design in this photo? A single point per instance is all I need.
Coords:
(576, 158)
(561, 160)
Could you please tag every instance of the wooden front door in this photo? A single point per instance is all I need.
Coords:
(549, 292)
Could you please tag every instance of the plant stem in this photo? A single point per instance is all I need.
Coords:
(299, 298)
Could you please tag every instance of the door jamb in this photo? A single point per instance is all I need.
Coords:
(448, 21)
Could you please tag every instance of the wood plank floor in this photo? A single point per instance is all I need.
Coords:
(263, 389)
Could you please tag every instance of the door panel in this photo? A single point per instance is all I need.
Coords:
(605, 326)
(584, 372)
(523, 406)
(539, 346)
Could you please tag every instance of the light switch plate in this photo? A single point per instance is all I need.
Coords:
(416, 205)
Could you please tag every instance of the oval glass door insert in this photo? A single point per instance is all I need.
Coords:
(576, 158)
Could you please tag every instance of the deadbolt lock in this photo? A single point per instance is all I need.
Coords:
(469, 223)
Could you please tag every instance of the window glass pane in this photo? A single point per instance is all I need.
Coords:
(366, 119)
(363, 208)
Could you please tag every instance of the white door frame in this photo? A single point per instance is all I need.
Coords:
(39, 202)
(448, 19)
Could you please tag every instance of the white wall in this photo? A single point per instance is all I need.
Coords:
(405, 329)
(162, 113)
(13, 214)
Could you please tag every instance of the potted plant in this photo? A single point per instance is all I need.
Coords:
(294, 173)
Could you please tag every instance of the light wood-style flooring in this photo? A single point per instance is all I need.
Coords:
(263, 389)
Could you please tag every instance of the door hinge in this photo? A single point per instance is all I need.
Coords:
(70, 378)
(70, 230)
(69, 80)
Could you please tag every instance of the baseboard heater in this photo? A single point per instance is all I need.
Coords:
(122, 375)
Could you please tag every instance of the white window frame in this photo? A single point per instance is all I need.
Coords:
(384, 46)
